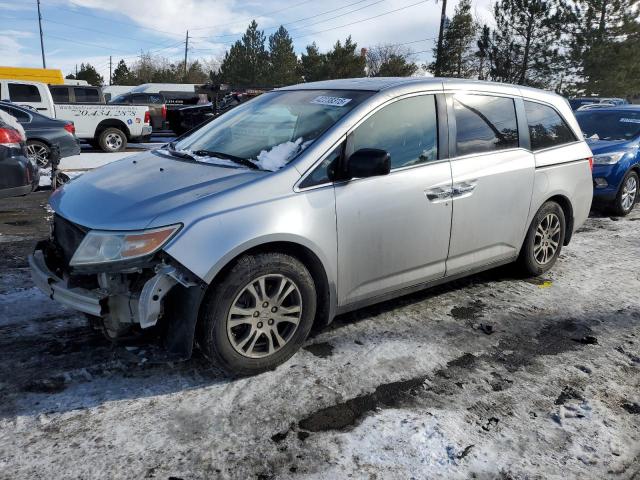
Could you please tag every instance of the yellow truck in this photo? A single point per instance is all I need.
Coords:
(51, 76)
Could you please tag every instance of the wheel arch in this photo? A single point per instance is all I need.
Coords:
(567, 209)
(324, 288)
(112, 123)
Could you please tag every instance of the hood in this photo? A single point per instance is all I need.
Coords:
(128, 194)
(605, 146)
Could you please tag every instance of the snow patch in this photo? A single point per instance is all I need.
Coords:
(279, 156)
(13, 123)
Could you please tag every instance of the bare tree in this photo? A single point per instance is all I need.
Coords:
(389, 61)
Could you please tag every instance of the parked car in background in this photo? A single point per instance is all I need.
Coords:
(113, 91)
(314, 200)
(613, 133)
(46, 136)
(109, 127)
(76, 94)
(578, 102)
(154, 101)
(18, 174)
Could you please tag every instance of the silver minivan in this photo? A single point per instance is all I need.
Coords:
(311, 201)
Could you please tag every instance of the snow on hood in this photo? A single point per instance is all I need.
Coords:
(279, 156)
(13, 123)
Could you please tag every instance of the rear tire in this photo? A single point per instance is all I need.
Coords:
(627, 195)
(544, 240)
(245, 330)
(112, 140)
(39, 152)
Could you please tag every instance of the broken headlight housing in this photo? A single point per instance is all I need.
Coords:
(99, 247)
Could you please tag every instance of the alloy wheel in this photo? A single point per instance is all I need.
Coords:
(38, 153)
(264, 316)
(547, 239)
(629, 192)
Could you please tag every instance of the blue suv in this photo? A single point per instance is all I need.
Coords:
(613, 133)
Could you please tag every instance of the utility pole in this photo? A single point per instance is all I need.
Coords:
(44, 63)
(186, 50)
(109, 70)
(443, 16)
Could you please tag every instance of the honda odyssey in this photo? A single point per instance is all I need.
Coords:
(314, 200)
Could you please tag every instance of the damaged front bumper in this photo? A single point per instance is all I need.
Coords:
(88, 301)
(113, 300)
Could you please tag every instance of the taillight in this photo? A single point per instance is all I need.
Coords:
(164, 112)
(71, 128)
(147, 117)
(590, 163)
(9, 136)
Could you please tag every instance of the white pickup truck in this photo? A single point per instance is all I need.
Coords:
(108, 126)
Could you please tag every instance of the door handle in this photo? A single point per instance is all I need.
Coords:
(463, 188)
(435, 194)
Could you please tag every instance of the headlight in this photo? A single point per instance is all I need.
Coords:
(104, 247)
(608, 158)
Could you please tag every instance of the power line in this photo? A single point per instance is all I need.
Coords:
(360, 21)
(94, 45)
(298, 20)
(251, 18)
(99, 31)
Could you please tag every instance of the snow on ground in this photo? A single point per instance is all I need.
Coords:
(489, 377)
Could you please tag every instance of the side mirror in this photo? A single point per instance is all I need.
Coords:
(368, 162)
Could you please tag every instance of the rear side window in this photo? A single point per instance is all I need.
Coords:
(20, 92)
(484, 124)
(407, 129)
(86, 95)
(21, 116)
(546, 127)
(60, 94)
(155, 99)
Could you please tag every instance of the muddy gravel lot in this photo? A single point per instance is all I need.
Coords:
(493, 376)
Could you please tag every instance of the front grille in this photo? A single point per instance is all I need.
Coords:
(67, 236)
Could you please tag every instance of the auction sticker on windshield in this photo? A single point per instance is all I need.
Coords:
(331, 101)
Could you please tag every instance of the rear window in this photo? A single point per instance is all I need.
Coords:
(21, 116)
(86, 95)
(60, 94)
(21, 92)
(484, 123)
(546, 127)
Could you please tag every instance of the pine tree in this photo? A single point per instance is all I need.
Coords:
(247, 61)
(604, 46)
(122, 75)
(483, 63)
(312, 65)
(90, 74)
(457, 44)
(526, 41)
(283, 63)
(343, 61)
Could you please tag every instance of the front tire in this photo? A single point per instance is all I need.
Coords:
(627, 195)
(259, 314)
(544, 240)
(112, 140)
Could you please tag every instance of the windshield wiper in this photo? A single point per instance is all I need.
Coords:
(227, 156)
(171, 148)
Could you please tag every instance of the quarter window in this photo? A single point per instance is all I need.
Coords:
(323, 173)
(21, 116)
(21, 92)
(484, 124)
(407, 129)
(546, 127)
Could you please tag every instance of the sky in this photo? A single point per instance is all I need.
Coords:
(77, 31)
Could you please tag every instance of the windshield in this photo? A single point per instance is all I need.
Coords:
(272, 129)
(623, 125)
